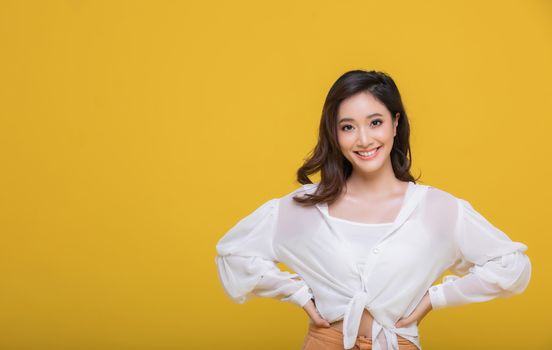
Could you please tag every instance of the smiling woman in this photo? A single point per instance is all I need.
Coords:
(367, 242)
(366, 137)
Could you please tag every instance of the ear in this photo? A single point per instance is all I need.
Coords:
(396, 123)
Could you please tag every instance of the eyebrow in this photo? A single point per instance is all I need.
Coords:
(352, 120)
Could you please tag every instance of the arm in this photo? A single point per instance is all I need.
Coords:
(246, 262)
(491, 263)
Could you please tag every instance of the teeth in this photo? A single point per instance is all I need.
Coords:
(367, 154)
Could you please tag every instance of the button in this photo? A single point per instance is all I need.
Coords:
(375, 250)
(310, 290)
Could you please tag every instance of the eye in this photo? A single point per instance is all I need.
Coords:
(344, 126)
(377, 120)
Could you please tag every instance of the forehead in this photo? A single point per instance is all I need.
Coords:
(360, 105)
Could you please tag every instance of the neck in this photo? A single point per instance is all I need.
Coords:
(375, 184)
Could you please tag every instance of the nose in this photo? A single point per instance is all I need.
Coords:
(364, 138)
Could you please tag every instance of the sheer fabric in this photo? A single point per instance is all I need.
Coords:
(361, 237)
(247, 263)
(434, 231)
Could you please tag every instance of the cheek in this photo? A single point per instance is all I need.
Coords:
(345, 140)
(386, 135)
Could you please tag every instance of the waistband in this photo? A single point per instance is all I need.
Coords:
(334, 336)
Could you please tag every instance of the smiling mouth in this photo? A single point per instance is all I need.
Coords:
(368, 155)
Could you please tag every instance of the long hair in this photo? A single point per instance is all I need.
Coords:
(327, 157)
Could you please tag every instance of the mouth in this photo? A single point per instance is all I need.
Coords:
(368, 155)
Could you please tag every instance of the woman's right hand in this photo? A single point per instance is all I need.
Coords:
(314, 315)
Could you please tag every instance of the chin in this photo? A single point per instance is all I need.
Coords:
(369, 169)
(367, 166)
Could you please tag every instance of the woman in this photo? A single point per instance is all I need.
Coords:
(367, 242)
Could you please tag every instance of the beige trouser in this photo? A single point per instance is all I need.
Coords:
(320, 338)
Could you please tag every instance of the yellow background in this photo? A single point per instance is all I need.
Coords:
(134, 134)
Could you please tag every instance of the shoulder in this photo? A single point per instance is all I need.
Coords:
(439, 192)
(288, 200)
(439, 197)
(301, 190)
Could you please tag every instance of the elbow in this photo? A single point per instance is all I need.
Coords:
(240, 275)
(521, 281)
(515, 272)
(231, 280)
(510, 273)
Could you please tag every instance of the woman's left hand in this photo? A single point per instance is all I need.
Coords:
(423, 308)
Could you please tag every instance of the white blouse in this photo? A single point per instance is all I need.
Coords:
(433, 231)
(360, 236)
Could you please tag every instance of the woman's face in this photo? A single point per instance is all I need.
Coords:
(363, 125)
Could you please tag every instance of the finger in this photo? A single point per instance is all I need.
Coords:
(315, 316)
(321, 321)
(310, 309)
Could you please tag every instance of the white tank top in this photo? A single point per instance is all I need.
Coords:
(360, 236)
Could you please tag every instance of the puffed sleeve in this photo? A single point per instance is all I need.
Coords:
(246, 261)
(491, 265)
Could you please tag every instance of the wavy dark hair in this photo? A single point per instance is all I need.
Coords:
(327, 157)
